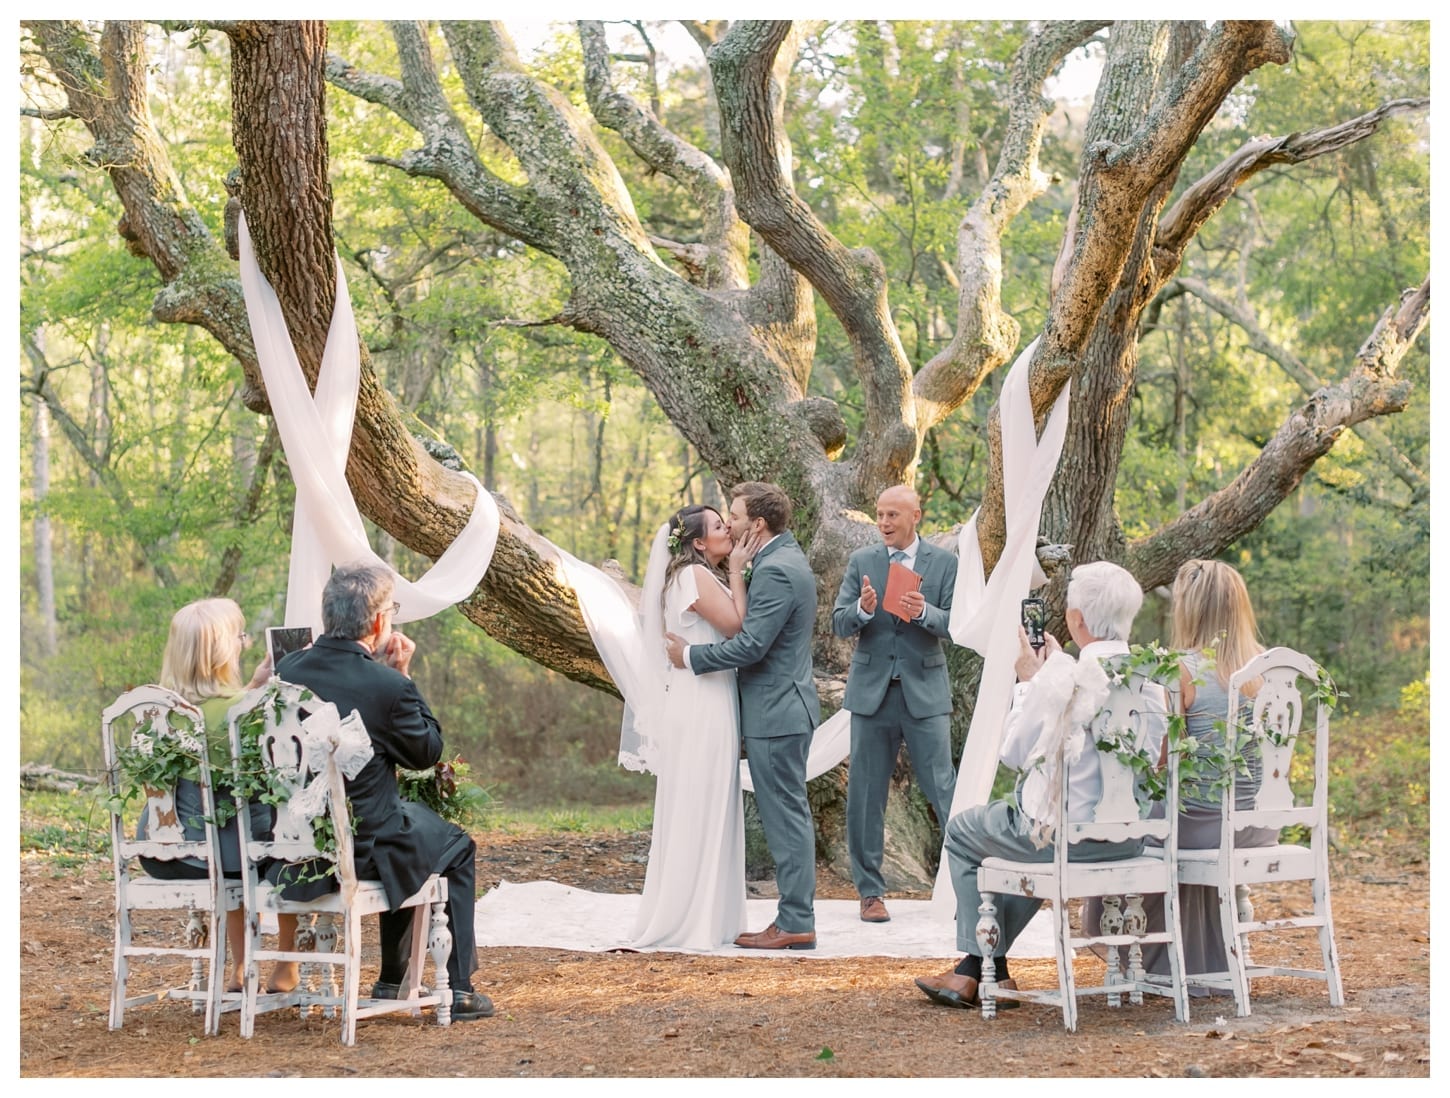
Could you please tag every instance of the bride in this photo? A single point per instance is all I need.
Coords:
(689, 735)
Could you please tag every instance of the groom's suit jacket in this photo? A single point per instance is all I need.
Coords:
(887, 648)
(772, 651)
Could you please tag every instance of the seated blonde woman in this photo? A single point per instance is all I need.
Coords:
(1215, 629)
(202, 663)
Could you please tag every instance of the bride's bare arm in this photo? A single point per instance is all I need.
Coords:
(724, 611)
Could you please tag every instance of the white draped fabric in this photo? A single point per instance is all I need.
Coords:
(986, 612)
(316, 433)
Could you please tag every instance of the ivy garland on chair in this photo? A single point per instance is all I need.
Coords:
(1210, 770)
(150, 763)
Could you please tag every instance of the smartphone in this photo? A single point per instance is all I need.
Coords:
(287, 638)
(1034, 620)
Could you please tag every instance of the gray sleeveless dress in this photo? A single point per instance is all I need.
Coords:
(1199, 825)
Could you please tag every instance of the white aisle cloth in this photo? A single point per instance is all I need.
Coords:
(552, 915)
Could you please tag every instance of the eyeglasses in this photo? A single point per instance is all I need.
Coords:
(395, 607)
(245, 638)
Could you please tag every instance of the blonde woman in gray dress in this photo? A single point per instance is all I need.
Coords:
(1215, 630)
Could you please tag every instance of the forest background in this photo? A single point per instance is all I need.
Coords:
(145, 482)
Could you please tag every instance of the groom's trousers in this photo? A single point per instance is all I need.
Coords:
(778, 772)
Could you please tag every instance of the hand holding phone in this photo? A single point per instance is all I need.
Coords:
(1034, 621)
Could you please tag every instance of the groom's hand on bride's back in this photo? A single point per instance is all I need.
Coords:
(675, 649)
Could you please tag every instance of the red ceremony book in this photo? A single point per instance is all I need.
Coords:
(899, 580)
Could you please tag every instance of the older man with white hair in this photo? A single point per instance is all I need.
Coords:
(1102, 600)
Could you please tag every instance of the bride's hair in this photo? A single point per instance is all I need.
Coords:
(687, 524)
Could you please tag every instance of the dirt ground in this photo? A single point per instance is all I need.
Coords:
(584, 1015)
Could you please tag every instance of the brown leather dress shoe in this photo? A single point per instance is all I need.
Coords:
(949, 989)
(953, 990)
(873, 910)
(772, 937)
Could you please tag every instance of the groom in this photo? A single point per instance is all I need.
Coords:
(778, 705)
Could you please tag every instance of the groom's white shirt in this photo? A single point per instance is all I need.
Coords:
(686, 655)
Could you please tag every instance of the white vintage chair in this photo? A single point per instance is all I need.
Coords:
(1121, 882)
(139, 720)
(309, 758)
(1275, 717)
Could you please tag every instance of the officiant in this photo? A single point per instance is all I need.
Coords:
(896, 599)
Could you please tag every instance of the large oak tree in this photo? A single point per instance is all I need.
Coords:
(728, 356)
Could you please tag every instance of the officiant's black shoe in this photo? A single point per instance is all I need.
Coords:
(772, 937)
(873, 910)
(471, 1005)
(382, 990)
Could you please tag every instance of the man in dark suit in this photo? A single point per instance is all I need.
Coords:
(361, 663)
(779, 709)
(898, 690)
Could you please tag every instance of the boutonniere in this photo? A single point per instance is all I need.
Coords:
(747, 571)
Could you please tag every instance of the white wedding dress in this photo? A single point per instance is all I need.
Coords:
(694, 885)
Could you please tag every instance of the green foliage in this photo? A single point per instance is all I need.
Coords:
(253, 780)
(70, 829)
(449, 791)
(148, 760)
(895, 126)
(576, 818)
(1415, 701)
(1379, 782)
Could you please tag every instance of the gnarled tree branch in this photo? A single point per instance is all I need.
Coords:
(726, 238)
(985, 334)
(1202, 200)
(1371, 389)
(853, 281)
(1389, 454)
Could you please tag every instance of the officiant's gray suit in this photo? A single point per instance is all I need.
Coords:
(779, 710)
(898, 691)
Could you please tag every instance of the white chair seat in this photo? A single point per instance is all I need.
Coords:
(1252, 865)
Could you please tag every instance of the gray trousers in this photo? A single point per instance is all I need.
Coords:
(778, 771)
(999, 830)
(875, 742)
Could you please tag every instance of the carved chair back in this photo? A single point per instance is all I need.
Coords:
(154, 738)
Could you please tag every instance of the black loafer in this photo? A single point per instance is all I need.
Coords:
(470, 1005)
(386, 991)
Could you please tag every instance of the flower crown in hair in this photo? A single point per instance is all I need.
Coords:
(673, 541)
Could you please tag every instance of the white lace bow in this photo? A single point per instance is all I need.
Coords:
(314, 737)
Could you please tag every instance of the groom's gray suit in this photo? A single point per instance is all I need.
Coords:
(779, 710)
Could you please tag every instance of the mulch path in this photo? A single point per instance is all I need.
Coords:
(583, 1015)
